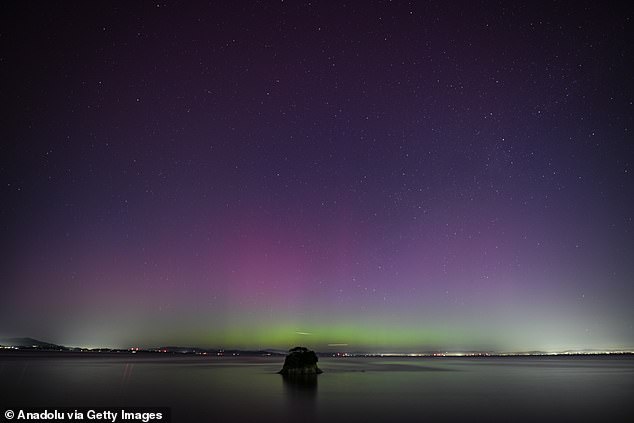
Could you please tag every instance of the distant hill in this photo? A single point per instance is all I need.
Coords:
(29, 343)
(35, 344)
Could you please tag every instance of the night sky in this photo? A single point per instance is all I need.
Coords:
(394, 176)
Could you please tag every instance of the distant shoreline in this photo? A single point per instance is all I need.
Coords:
(4, 351)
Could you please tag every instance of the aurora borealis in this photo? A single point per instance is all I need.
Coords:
(392, 176)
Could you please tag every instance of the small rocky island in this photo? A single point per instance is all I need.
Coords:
(300, 361)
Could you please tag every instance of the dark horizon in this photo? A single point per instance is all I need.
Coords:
(328, 350)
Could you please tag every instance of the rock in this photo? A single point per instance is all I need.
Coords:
(300, 361)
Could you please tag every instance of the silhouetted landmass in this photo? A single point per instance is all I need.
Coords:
(215, 351)
(300, 361)
(30, 343)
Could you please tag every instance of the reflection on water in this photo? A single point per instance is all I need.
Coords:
(301, 394)
(300, 386)
(353, 389)
(127, 373)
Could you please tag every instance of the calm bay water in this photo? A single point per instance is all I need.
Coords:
(351, 389)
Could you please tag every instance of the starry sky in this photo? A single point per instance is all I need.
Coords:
(364, 176)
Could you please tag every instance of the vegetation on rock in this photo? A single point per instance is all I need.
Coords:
(300, 361)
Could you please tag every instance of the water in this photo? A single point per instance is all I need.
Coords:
(199, 388)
